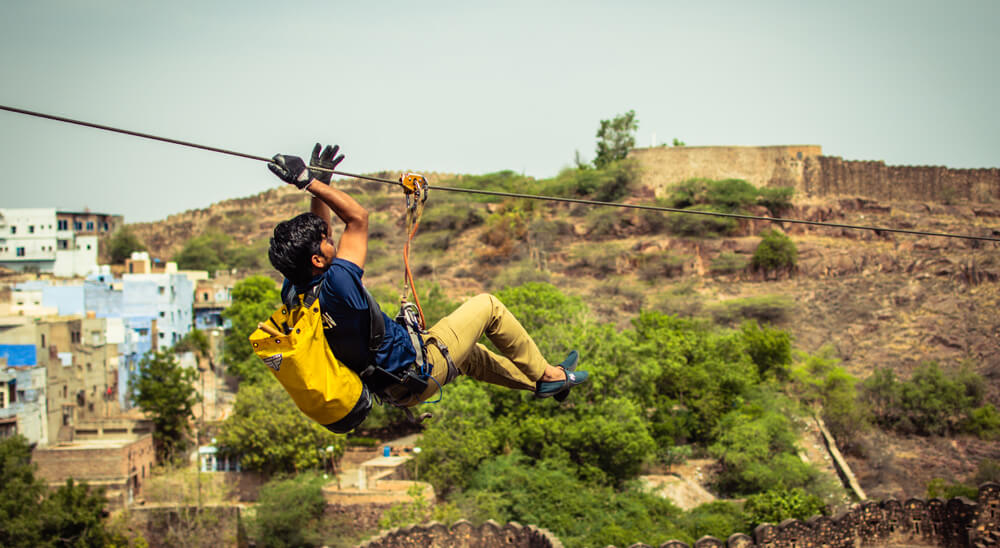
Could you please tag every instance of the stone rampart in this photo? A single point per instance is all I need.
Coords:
(956, 523)
(762, 166)
(463, 534)
(804, 168)
(830, 175)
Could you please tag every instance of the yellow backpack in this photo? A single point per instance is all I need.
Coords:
(293, 346)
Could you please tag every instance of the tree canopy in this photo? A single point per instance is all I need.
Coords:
(166, 391)
(615, 138)
(254, 299)
(268, 433)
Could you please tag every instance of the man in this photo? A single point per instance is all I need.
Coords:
(303, 251)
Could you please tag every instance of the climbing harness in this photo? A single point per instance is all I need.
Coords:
(405, 388)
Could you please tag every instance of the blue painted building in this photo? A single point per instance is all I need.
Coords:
(156, 311)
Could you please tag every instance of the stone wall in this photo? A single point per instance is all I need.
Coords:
(956, 523)
(830, 175)
(812, 174)
(464, 535)
(762, 166)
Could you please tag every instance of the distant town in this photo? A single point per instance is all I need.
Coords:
(72, 334)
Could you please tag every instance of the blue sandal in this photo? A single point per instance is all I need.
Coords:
(560, 388)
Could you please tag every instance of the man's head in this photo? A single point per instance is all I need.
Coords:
(300, 248)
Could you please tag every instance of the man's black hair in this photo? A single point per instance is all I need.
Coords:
(294, 243)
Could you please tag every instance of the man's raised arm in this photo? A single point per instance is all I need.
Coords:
(353, 244)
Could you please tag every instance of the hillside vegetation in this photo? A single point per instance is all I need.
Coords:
(706, 337)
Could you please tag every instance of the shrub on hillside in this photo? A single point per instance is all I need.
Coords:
(701, 226)
(728, 262)
(653, 267)
(775, 251)
(767, 308)
(777, 505)
(607, 184)
(600, 259)
(289, 512)
(931, 402)
(776, 199)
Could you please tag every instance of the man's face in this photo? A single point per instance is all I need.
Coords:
(328, 250)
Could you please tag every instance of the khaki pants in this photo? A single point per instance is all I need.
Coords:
(520, 366)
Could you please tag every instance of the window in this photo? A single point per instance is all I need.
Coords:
(90, 225)
(88, 246)
(89, 368)
(163, 290)
(63, 244)
(77, 225)
(63, 224)
(74, 337)
(20, 252)
(161, 334)
(163, 314)
(105, 227)
(43, 340)
(13, 230)
(31, 229)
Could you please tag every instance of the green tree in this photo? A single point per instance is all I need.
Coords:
(74, 516)
(777, 505)
(20, 495)
(195, 341)
(122, 243)
(931, 402)
(819, 381)
(770, 349)
(254, 299)
(459, 438)
(268, 433)
(775, 250)
(615, 138)
(210, 251)
(289, 513)
(756, 448)
(165, 390)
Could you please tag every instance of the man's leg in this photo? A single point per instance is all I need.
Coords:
(521, 364)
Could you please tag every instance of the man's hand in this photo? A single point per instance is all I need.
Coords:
(291, 169)
(327, 160)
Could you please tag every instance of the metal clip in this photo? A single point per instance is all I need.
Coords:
(415, 187)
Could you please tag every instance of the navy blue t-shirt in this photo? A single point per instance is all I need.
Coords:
(342, 297)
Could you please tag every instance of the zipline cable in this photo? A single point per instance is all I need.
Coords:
(505, 194)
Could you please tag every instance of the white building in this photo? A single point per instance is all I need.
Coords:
(62, 243)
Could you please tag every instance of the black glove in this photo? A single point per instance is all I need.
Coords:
(328, 160)
(290, 169)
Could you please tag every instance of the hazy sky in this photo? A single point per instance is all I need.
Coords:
(471, 87)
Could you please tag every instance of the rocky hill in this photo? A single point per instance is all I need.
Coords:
(877, 299)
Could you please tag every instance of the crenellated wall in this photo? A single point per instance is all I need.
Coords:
(956, 523)
(463, 534)
(831, 175)
(811, 174)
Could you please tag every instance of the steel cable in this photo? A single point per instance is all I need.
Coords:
(506, 194)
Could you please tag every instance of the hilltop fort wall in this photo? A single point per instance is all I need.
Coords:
(811, 174)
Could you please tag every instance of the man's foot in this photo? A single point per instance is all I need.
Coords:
(561, 387)
(569, 364)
